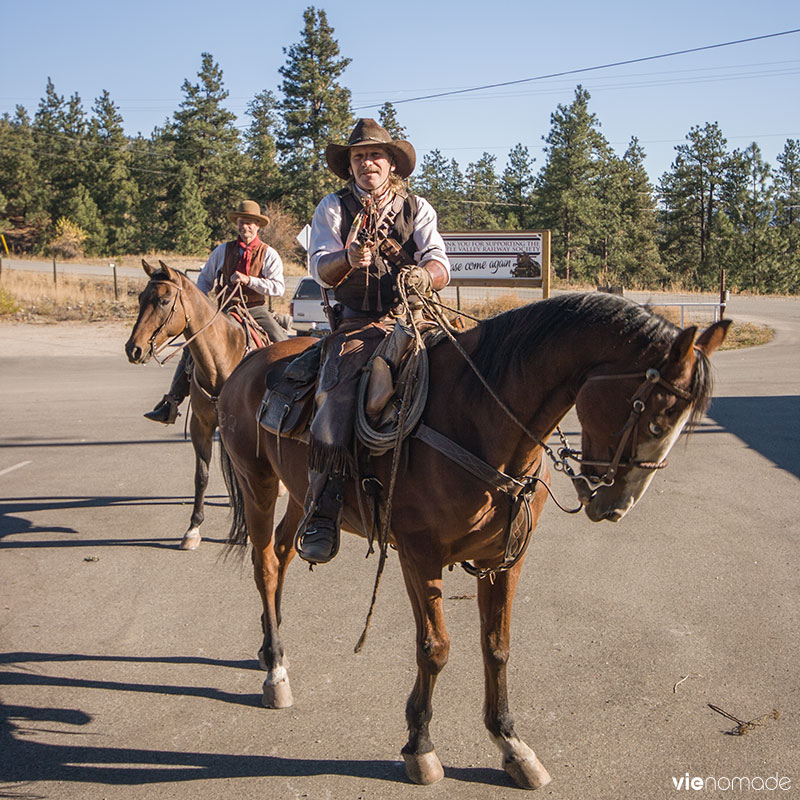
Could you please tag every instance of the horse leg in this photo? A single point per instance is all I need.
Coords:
(494, 602)
(424, 585)
(271, 559)
(202, 434)
(275, 562)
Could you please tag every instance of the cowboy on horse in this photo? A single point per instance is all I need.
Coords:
(363, 238)
(247, 262)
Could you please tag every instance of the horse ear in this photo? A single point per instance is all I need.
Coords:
(682, 346)
(712, 337)
(170, 273)
(148, 269)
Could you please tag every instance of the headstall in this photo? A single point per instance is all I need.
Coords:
(651, 379)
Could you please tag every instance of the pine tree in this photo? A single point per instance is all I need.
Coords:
(155, 168)
(315, 111)
(639, 262)
(516, 188)
(786, 276)
(442, 184)
(18, 169)
(566, 201)
(751, 213)
(690, 193)
(482, 192)
(109, 177)
(49, 125)
(387, 117)
(81, 210)
(207, 141)
(263, 182)
(191, 233)
(605, 243)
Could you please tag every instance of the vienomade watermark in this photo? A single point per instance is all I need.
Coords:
(739, 783)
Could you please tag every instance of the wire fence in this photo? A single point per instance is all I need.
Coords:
(686, 308)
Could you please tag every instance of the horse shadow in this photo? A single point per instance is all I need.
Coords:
(12, 521)
(25, 760)
(767, 425)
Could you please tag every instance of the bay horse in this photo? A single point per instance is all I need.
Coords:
(635, 379)
(171, 306)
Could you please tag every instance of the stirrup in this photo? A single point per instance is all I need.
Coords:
(318, 543)
(166, 411)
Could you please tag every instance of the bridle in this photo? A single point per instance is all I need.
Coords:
(154, 351)
(651, 379)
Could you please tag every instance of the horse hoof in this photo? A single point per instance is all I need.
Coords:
(191, 540)
(527, 772)
(424, 768)
(277, 695)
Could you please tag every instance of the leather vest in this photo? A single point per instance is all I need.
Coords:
(374, 288)
(252, 297)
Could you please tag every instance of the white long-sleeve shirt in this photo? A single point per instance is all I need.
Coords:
(327, 223)
(268, 281)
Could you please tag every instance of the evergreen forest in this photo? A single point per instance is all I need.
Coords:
(73, 183)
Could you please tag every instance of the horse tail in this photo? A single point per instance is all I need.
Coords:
(237, 536)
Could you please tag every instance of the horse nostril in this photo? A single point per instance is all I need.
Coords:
(134, 352)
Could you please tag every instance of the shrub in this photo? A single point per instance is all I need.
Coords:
(69, 239)
(281, 233)
(8, 304)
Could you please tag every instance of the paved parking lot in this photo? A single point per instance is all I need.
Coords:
(128, 667)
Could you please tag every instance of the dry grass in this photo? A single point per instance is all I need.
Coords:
(740, 334)
(31, 296)
(747, 334)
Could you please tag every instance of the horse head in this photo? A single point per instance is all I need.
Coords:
(162, 315)
(631, 419)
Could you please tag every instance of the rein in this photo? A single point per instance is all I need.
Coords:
(652, 378)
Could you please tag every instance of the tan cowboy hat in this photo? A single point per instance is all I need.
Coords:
(249, 209)
(366, 132)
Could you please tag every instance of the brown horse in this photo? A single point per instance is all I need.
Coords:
(171, 306)
(636, 381)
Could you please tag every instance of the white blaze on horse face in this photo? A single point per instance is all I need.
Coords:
(614, 502)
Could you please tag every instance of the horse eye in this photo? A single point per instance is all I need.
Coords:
(164, 301)
(655, 429)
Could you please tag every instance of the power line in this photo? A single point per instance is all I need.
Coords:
(584, 69)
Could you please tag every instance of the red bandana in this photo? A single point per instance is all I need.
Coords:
(246, 255)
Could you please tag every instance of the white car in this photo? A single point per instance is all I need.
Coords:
(307, 308)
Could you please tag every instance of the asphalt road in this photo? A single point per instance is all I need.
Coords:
(127, 667)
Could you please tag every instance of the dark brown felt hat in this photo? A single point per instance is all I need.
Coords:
(248, 209)
(367, 132)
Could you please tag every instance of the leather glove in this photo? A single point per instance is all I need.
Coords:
(419, 280)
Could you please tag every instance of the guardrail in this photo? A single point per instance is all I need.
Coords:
(719, 309)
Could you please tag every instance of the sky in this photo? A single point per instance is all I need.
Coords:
(142, 52)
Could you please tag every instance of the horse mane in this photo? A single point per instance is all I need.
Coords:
(162, 275)
(510, 339)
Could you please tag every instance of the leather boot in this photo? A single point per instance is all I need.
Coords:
(166, 410)
(318, 541)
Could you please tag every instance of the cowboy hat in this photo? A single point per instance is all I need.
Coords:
(250, 210)
(367, 132)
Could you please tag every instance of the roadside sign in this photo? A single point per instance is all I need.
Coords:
(304, 237)
(499, 258)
